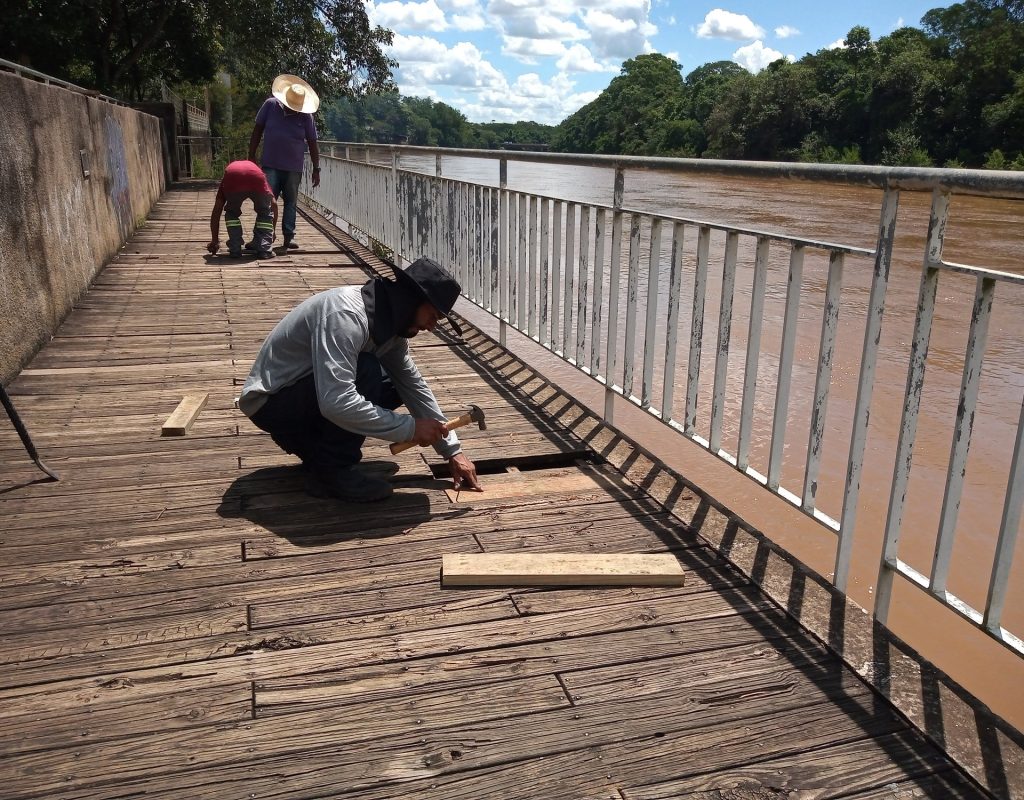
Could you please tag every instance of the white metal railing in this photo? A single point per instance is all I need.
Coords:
(590, 282)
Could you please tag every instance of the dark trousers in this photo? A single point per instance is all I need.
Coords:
(263, 232)
(292, 418)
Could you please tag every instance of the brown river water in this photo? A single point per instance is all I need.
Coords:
(981, 232)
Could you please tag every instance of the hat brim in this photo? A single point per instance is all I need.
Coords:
(279, 88)
(407, 280)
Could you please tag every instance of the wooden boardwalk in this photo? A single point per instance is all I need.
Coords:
(181, 621)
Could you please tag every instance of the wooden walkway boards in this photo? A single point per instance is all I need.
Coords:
(181, 621)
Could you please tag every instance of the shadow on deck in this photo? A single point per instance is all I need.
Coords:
(181, 620)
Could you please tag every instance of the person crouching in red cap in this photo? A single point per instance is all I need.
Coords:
(244, 180)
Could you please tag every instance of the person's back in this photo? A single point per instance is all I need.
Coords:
(243, 180)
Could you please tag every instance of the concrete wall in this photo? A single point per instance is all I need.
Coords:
(59, 228)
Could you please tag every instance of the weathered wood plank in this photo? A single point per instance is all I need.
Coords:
(147, 756)
(845, 770)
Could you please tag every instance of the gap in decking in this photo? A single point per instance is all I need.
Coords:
(529, 463)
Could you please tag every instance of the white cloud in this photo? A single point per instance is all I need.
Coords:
(899, 23)
(720, 24)
(755, 57)
(785, 31)
(838, 44)
(579, 59)
(535, 18)
(548, 103)
(469, 22)
(425, 63)
(425, 16)
(620, 36)
(529, 50)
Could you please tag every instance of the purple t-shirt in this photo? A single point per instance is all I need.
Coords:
(285, 133)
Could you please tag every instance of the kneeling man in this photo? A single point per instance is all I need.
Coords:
(333, 371)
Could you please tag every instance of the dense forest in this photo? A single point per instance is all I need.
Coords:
(947, 93)
(950, 93)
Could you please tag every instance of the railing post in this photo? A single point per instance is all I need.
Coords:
(503, 257)
(613, 292)
(911, 404)
(869, 358)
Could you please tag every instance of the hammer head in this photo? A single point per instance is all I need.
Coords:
(477, 415)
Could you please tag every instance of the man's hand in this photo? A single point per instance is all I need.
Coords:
(316, 178)
(213, 246)
(428, 432)
(464, 473)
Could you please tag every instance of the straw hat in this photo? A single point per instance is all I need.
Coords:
(295, 93)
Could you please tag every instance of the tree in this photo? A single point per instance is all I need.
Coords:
(706, 84)
(628, 116)
(984, 42)
(128, 47)
(768, 115)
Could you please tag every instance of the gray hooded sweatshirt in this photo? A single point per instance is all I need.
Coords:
(324, 335)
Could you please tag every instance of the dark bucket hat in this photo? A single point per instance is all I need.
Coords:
(434, 283)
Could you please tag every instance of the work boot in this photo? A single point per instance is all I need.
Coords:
(290, 244)
(264, 254)
(250, 247)
(347, 483)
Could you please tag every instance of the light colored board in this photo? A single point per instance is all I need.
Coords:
(561, 569)
(527, 484)
(184, 415)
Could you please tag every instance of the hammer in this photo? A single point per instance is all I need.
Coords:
(475, 414)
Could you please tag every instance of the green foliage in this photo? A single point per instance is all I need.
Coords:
(128, 47)
(766, 115)
(950, 91)
(631, 116)
(904, 150)
(392, 119)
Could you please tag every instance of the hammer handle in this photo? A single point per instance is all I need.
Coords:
(458, 422)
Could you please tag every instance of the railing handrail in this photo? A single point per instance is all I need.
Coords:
(18, 69)
(1007, 184)
(509, 246)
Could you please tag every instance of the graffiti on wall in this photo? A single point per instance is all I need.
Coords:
(117, 168)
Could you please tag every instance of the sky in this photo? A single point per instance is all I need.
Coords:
(542, 60)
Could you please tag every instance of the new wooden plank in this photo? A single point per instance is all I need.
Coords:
(184, 415)
(560, 569)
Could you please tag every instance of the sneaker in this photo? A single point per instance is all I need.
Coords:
(348, 483)
(263, 254)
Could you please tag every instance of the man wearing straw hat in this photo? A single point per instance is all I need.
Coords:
(285, 123)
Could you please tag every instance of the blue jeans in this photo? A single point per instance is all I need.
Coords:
(283, 182)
